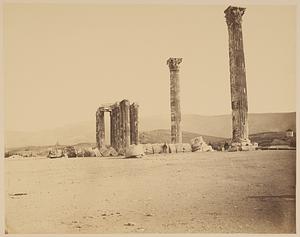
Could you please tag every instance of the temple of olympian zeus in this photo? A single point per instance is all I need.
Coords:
(123, 125)
(124, 117)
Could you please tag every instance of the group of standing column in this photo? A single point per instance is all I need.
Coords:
(123, 125)
(239, 103)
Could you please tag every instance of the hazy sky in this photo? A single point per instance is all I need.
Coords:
(63, 61)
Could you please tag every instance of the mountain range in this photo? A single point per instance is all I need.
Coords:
(218, 126)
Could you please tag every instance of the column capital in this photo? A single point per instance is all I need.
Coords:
(234, 15)
(100, 109)
(134, 104)
(173, 63)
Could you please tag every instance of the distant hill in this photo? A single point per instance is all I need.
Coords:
(164, 135)
(214, 126)
(268, 138)
(220, 125)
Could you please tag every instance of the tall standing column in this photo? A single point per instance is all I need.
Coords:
(117, 126)
(134, 124)
(112, 127)
(176, 134)
(239, 103)
(125, 124)
(100, 128)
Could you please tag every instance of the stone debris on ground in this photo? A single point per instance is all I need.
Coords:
(70, 151)
(106, 152)
(15, 157)
(89, 152)
(134, 151)
(172, 148)
(198, 144)
(129, 224)
(148, 149)
(187, 147)
(157, 148)
(80, 153)
(160, 148)
(179, 147)
(243, 146)
(97, 152)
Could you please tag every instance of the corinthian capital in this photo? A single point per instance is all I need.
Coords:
(173, 63)
(234, 15)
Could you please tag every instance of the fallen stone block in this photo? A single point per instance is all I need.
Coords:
(97, 152)
(172, 148)
(106, 152)
(179, 147)
(157, 148)
(148, 149)
(187, 147)
(134, 151)
(198, 145)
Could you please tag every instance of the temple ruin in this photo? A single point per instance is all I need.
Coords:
(123, 125)
(124, 116)
(176, 134)
(239, 103)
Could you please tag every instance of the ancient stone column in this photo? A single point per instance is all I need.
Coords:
(124, 124)
(134, 122)
(100, 128)
(176, 134)
(112, 127)
(238, 86)
(117, 127)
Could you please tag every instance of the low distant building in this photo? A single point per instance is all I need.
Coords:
(289, 133)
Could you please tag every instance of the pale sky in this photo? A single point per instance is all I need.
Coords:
(62, 61)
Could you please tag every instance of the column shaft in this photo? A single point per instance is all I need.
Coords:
(100, 128)
(176, 134)
(125, 124)
(112, 128)
(117, 125)
(134, 129)
(239, 103)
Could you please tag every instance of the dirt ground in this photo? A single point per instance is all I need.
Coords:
(217, 192)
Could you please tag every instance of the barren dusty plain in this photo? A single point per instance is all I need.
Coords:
(216, 192)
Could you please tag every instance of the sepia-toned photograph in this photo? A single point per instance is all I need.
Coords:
(149, 118)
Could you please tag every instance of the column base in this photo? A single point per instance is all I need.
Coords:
(243, 145)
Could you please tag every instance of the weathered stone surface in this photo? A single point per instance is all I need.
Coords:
(239, 103)
(179, 147)
(70, 152)
(148, 149)
(15, 157)
(117, 138)
(176, 134)
(243, 146)
(157, 148)
(136, 151)
(134, 124)
(55, 153)
(100, 128)
(234, 148)
(198, 144)
(172, 148)
(88, 152)
(80, 153)
(97, 152)
(165, 148)
(124, 125)
(106, 152)
(187, 147)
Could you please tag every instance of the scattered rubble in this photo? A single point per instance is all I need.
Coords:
(198, 144)
(134, 151)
